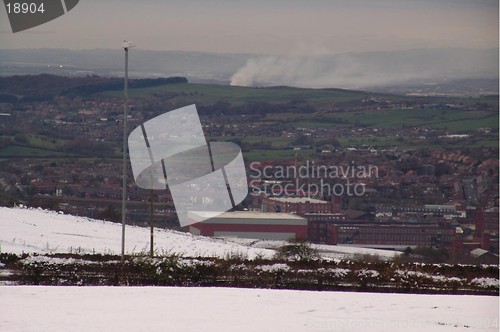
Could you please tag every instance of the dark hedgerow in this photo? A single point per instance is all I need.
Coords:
(308, 274)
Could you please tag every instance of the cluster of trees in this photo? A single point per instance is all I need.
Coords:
(44, 87)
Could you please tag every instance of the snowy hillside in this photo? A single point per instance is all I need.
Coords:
(40, 231)
(35, 230)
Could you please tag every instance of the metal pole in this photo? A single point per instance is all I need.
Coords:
(151, 218)
(124, 179)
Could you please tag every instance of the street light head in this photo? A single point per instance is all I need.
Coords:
(128, 44)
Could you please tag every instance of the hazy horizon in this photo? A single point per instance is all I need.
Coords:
(280, 27)
(319, 43)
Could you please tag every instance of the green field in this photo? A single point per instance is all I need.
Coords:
(328, 105)
(412, 143)
(43, 142)
(451, 119)
(258, 155)
(309, 108)
(40, 146)
(30, 152)
(421, 117)
(212, 93)
(209, 94)
(276, 142)
(331, 111)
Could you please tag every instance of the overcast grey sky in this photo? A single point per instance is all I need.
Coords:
(266, 26)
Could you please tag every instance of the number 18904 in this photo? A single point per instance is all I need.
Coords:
(24, 8)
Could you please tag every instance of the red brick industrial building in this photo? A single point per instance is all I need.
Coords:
(382, 235)
(254, 225)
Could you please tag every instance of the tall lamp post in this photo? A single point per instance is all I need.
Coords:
(126, 45)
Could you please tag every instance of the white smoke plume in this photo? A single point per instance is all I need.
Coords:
(362, 70)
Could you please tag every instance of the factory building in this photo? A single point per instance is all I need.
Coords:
(382, 235)
(253, 225)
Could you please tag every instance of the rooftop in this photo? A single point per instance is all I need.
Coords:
(244, 215)
(298, 200)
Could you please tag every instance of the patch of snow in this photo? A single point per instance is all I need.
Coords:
(336, 272)
(486, 282)
(189, 262)
(278, 267)
(367, 273)
(421, 275)
(55, 261)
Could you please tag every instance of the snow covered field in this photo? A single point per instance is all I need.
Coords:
(34, 230)
(34, 308)
(28, 308)
(39, 231)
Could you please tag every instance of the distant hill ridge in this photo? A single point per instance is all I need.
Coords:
(46, 86)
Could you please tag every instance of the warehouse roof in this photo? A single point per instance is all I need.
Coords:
(244, 215)
(298, 200)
